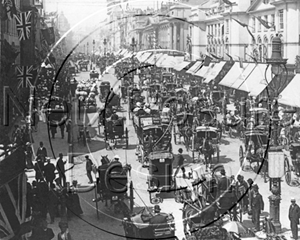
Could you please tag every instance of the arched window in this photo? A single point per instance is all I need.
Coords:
(265, 48)
(282, 45)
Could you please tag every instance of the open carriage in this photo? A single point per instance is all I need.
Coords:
(194, 91)
(255, 144)
(170, 87)
(140, 226)
(202, 218)
(104, 90)
(206, 143)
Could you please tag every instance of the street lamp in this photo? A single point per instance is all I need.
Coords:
(279, 75)
(87, 49)
(93, 51)
(133, 45)
(104, 43)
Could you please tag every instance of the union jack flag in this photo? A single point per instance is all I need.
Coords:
(13, 206)
(23, 24)
(24, 76)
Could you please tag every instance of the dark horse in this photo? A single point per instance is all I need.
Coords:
(207, 150)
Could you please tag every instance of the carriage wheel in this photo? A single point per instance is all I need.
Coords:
(287, 171)
(241, 156)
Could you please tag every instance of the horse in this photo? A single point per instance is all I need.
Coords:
(207, 150)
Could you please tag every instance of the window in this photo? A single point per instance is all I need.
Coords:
(266, 19)
(254, 25)
(266, 1)
(280, 17)
(227, 26)
(272, 21)
(258, 26)
(216, 30)
(219, 30)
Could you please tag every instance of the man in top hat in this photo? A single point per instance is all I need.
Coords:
(49, 171)
(294, 214)
(89, 168)
(257, 206)
(117, 165)
(60, 166)
(224, 182)
(42, 151)
(180, 163)
(158, 217)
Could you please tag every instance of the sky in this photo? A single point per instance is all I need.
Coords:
(77, 10)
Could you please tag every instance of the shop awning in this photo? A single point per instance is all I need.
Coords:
(139, 55)
(214, 71)
(181, 65)
(194, 67)
(154, 58)
(232, 75)
(145, 56)
(248, 68)
(169, 62)
(161, 59)
(256, 83)
(290, 95)
(204, 70)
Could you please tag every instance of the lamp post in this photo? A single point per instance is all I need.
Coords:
(104, 43)
(93, 51)
(87, 49)
(275, 155)
(133, 45)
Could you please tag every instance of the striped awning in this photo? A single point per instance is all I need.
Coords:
(214, 72)
(194, 67)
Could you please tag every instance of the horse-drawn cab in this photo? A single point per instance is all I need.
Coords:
(135, 96)
(83, 65)
(194, 91)
(217, 97)
(140, 226)
(115, 130)
(94, 74)
(255, 146)
(113, 186)
(208, 117)
(154, 88)
(104, 90)
(152, 135)
(160, 176)
(257, 116)
(182, 95)
(167, 77)
(206, 142)
(171, 88)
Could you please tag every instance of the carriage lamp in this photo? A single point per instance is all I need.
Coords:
(276, 84)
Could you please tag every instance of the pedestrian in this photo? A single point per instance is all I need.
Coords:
(29, 155)
(257, 206)
(89, 168)
(250, 194)
(62, 126)
(36, 119)
(49, 171)
(43, 195)
(52, 203)
(180, 164)
(294, 215)
(42, 151)
(43, 232)
(64, 231)
(242, 187)
(39, 168)
(60, 166)
(69, 129)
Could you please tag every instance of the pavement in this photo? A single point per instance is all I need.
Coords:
(96, 148)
